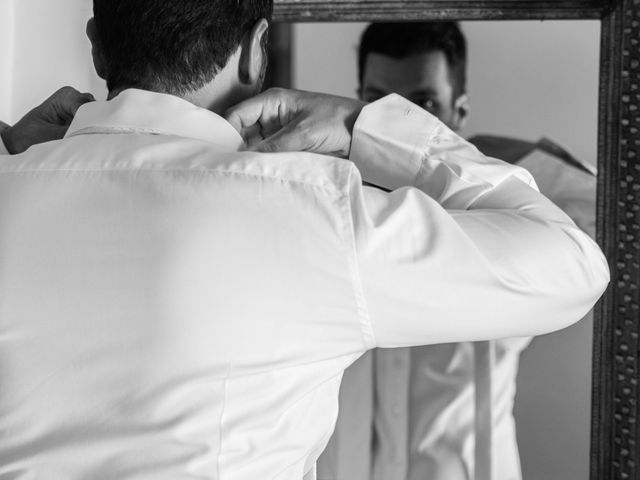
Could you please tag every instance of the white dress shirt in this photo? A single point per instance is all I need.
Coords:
(171, 307)
(444, 412)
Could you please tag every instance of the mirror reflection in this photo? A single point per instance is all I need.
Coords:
(524, 92)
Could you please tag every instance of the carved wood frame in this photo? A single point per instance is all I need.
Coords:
(615, 435)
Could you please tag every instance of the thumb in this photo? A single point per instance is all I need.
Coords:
(245, 115)
(66, 101)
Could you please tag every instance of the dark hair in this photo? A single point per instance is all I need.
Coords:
(172, 46)
(401, 40)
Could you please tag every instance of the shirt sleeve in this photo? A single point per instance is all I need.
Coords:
(463, 247)
(3, 148)
(570, 188)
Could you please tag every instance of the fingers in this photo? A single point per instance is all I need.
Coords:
(290, 120)
(268, 112)
(64, 103)
(281, 141)
(246, 114)
(48, 121)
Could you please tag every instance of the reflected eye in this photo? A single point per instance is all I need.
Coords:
(428, 104)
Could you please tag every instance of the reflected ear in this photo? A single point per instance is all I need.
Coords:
(460, 112)
(253, 55)
(99, 61)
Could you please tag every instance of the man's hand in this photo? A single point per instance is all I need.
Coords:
(281, 120)
(48, 121)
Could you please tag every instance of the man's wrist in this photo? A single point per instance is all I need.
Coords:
(388, 141)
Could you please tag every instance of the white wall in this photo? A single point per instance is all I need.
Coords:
(42, 48)
(528, 80)
(533, 79)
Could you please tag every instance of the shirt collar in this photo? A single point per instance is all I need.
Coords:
(141, 111)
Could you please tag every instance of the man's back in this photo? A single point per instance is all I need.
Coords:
(170, 308)
(169, 305)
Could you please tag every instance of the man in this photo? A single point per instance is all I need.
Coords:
(174, 307)
(442, 412)
(424, 62)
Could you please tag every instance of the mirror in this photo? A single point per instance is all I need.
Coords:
(616, 345)
(526, 80)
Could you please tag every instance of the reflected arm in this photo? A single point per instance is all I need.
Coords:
(483, 254)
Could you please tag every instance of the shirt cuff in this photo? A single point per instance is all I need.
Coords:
(397, 144)
(3, 148)
(389, 139)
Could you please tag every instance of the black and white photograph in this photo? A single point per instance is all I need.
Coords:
(319, 240)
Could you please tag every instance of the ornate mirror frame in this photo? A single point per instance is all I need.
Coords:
(615, 435)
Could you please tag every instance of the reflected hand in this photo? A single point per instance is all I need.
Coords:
(280, 120)
(48, 121)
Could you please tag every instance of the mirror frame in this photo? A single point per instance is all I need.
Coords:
(615, 437)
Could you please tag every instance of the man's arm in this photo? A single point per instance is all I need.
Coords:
(463, 247)
(499, 260)
(48, 121)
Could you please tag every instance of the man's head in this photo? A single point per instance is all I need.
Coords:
(211, 52)
(424, 62)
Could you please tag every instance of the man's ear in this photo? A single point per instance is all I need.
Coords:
(253, 55)
(460, 112)
(99, 62)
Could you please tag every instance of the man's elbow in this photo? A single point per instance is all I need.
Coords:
(589, 283)
(600, 275)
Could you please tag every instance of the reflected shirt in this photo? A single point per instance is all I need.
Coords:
(439, 411)
(174, 307)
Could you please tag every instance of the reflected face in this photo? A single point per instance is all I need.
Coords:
(422, 79)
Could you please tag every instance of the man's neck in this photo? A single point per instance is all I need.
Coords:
(208, 97)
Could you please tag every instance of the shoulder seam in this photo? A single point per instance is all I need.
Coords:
(338, 191)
